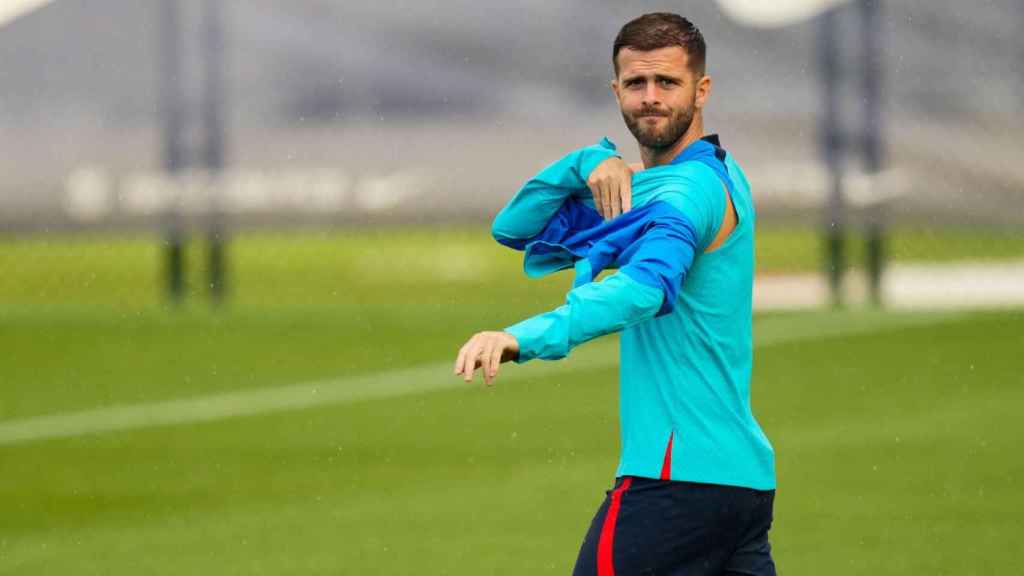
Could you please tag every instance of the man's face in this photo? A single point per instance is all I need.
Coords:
(658, 94)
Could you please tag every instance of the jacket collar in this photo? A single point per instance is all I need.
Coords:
(709, 145)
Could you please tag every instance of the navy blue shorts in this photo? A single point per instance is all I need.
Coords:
(671, 528)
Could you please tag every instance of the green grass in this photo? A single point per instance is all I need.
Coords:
(896, 434)
(421, 266)
(781, 250)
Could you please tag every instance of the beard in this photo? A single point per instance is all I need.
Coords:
(654, 138)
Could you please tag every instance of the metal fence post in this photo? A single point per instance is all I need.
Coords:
(214, 143)
(872, 71)
(172, 112)
(832, 147)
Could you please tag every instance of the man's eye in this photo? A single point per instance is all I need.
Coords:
(665, 82)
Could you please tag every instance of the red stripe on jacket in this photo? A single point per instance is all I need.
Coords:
(666, 465)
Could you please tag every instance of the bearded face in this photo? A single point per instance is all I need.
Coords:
(659, 95)
(658, 128)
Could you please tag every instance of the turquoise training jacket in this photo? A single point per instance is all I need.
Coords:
(684, 313)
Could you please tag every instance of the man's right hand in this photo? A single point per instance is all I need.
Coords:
(487, 351)
(611, 185)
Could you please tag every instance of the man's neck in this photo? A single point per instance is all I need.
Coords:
(660, 156)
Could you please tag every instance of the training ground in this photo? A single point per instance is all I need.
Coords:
(313, 426)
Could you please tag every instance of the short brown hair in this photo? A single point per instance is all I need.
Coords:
(662, 30)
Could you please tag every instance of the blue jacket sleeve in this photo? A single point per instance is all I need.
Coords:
(540, 198)
(647, 286)
(591, 310)
(664, 256)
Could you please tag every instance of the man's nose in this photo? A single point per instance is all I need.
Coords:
(651, 94)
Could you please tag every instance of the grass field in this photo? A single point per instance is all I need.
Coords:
(896, 434)
(123, 273)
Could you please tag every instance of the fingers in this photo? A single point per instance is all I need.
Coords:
(615, 204)
(461, 356)
(626, 194)
(493, 363)
(466, 360)
(595, 191)
(485, 351)
(471, 356)
(469, 362)
(485, 362)
(600, 183)
(606, 199)
(611, 187)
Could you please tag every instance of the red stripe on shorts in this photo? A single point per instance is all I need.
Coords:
(605, 566)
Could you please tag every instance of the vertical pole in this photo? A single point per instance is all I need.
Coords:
(832, 148)
(872, 78)
(213, 145)
(213, 84)
(172, 111)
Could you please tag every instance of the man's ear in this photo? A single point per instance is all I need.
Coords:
(703, 92)
(615, 90)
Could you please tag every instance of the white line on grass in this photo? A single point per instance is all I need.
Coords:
(424, 378)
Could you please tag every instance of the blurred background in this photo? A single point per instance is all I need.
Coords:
(241, 243)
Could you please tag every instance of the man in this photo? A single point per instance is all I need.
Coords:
(695, 483)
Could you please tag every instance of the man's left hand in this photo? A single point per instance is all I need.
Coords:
(486, 350)
(611, 185)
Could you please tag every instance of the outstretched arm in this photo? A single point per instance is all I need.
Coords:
(645, 287)
(590, 311)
